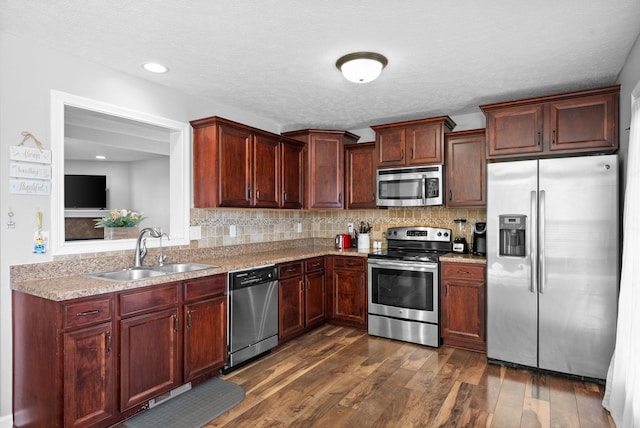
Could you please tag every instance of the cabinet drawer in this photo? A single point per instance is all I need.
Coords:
(87, 312)
(209, 286)
(314, 264)
(463, 271)
(354, 263)
(287, 270)
(158, 296)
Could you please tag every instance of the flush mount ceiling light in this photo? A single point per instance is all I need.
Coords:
(361, 67)
(155, 67)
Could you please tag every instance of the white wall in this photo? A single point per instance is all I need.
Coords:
(28, 72)
(628, 79)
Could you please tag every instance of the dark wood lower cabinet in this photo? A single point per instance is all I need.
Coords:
(89, 375)
(463, 306)
(301, 296)
(65, 354)
(349, 292)
(149, 356)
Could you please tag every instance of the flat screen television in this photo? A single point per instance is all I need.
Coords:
(85, 191)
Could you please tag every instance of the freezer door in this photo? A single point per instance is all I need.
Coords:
(511, 289)
(579, 264)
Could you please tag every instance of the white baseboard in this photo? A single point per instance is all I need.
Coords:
(6, 421)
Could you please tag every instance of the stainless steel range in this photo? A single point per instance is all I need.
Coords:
(404, 283)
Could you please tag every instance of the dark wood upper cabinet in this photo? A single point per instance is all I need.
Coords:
(235, 165)
(575, 122)
(466, 180)
(324, 166)
(410, 143)
(292, 155)
(360, 175)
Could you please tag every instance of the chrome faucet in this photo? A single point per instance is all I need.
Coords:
(141, 244)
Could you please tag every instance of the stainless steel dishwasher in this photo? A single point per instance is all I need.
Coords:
(253, 314)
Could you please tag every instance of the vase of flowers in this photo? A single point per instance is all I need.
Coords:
(120, 224)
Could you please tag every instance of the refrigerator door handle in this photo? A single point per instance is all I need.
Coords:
(533, 241)
(541, 238)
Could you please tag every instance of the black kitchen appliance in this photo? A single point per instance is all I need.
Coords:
(480, 239)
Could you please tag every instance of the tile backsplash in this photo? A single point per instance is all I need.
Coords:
(267, 225)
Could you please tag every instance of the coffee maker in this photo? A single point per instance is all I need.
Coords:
(480, 239)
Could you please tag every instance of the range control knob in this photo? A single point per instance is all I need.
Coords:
(446, 234)
(439, 233)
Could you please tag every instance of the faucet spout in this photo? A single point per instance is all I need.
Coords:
(141, 246)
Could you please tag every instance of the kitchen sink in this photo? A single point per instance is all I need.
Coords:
(181, 267)
(133, 274)
(127, 274)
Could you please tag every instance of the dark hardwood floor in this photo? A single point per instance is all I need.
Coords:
(340, 377)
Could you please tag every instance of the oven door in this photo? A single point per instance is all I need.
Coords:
(404, 290)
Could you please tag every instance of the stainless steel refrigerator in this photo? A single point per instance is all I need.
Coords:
(553, 263)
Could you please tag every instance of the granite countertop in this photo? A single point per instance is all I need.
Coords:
(463, 258)
(73, 286)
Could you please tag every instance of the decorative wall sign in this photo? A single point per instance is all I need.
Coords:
(28, 154)
(30, 170)
(30, 187)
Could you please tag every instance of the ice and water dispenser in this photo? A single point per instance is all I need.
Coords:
(512, 235)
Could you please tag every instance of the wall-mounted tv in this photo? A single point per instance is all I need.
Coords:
(85, 191)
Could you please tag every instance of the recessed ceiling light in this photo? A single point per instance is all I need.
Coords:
(154, 67)
(101, 157)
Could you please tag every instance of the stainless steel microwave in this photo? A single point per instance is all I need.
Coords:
(410, 187)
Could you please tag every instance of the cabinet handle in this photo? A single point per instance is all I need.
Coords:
(107, 341)
(257, 195)
(411, 156)
(308, 284)
(553, 138)
(340, 197)
(175, 322)
(291, 269)
(401, 154)
(539, 136)
(284, 196)
(450, 195)
(446, 289)
(249, 193)
(315, 265)
(373, 197)
(88, 313)
(464, 272)
(301, 286)
(189, 319)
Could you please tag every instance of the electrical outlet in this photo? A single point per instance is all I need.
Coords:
(350, 227)
(232, 231)
(299, 227)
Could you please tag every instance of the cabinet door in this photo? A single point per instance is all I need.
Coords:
(149, 358)
(314, 298)
(326, 163)
(350, 296)
(290, 307)
(89, 375)
(360, 180)
(390, 147)
(205, 338)
(463, 306)
(583, 124)
(466, 169)
(265, 188)
(515, 131)
(424, 144)
(234, 166)
(292, 173)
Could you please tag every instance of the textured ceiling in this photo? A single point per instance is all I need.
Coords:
(276, 58)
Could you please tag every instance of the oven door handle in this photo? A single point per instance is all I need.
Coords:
(400, 264)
